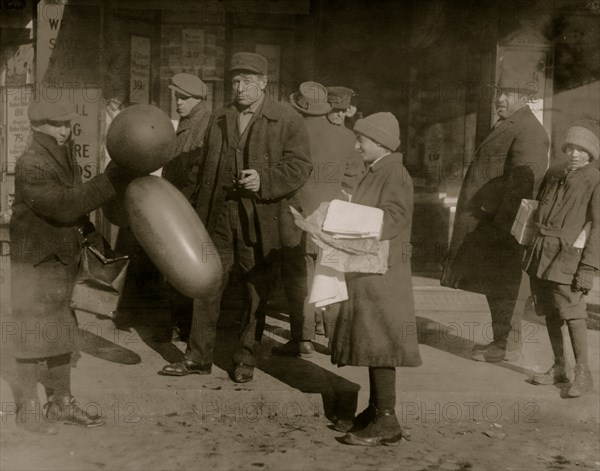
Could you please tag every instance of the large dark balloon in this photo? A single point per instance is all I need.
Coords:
(141, 138)
(171, 233)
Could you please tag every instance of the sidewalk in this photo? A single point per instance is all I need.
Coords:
(117, 370)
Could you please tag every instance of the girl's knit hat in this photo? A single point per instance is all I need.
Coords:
(584, 133)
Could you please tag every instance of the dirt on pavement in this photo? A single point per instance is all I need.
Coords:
(193, 442)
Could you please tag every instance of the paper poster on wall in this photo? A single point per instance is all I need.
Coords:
(139, 84)
(192, 47)
(209, 68)
(16, 101)
(18, 69)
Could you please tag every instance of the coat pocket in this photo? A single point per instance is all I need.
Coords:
(569, 259)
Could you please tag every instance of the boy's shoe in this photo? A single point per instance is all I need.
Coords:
(383, 430)
(343, 425)
(67, 410)
(358, 423)
(364, 418)
(556, 374)
(583, 382)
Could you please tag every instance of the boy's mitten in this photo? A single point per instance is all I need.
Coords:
(583, 279)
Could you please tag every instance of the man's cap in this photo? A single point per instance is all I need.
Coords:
(188, 85)
(311, 99)
(585, 134)
(47, 111)
(340, 97)
(249, 62)
(382, 128)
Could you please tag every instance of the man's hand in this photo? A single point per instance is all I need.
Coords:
(250, 180)
(583, 279)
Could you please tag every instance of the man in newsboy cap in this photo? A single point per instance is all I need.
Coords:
(340, 99)
(256, 157)
(182, 170)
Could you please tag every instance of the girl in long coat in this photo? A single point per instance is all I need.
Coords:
(376, 326)
(51, 204)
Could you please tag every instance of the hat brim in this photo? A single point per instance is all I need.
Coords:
(316, 109)
(183, 92)
(246, 68)
(58, 119)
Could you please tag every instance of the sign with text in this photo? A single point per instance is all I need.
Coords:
(67, 44)
(139, 73)
(86, 102)
(192, 47)
(16, 101)
(85, 129)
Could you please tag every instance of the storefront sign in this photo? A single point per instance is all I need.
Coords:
(139, 85)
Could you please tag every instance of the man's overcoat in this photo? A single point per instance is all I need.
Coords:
(278, 148)
(508, 166)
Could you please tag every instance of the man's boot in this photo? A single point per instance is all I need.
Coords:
(556, 374)
(294, 348)
(30, 418)
(583, 382)
(66, 409)
(496, 352)
(383, 430)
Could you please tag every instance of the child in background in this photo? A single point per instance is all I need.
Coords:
(376, 326)
(563, 259)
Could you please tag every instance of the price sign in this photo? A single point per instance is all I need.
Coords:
(17, 124)
(192, 47)
(139, 85)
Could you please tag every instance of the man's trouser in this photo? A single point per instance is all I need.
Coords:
(234, 248)
(507, 311)
(297, 271)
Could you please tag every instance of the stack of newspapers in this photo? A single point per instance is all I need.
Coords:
(347, 235)
(345, 220)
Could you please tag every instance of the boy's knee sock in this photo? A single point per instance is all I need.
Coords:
(372, 387)
(578, 333)
(27, 379)
(384, 382)
(59, 375)
(554, 325)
